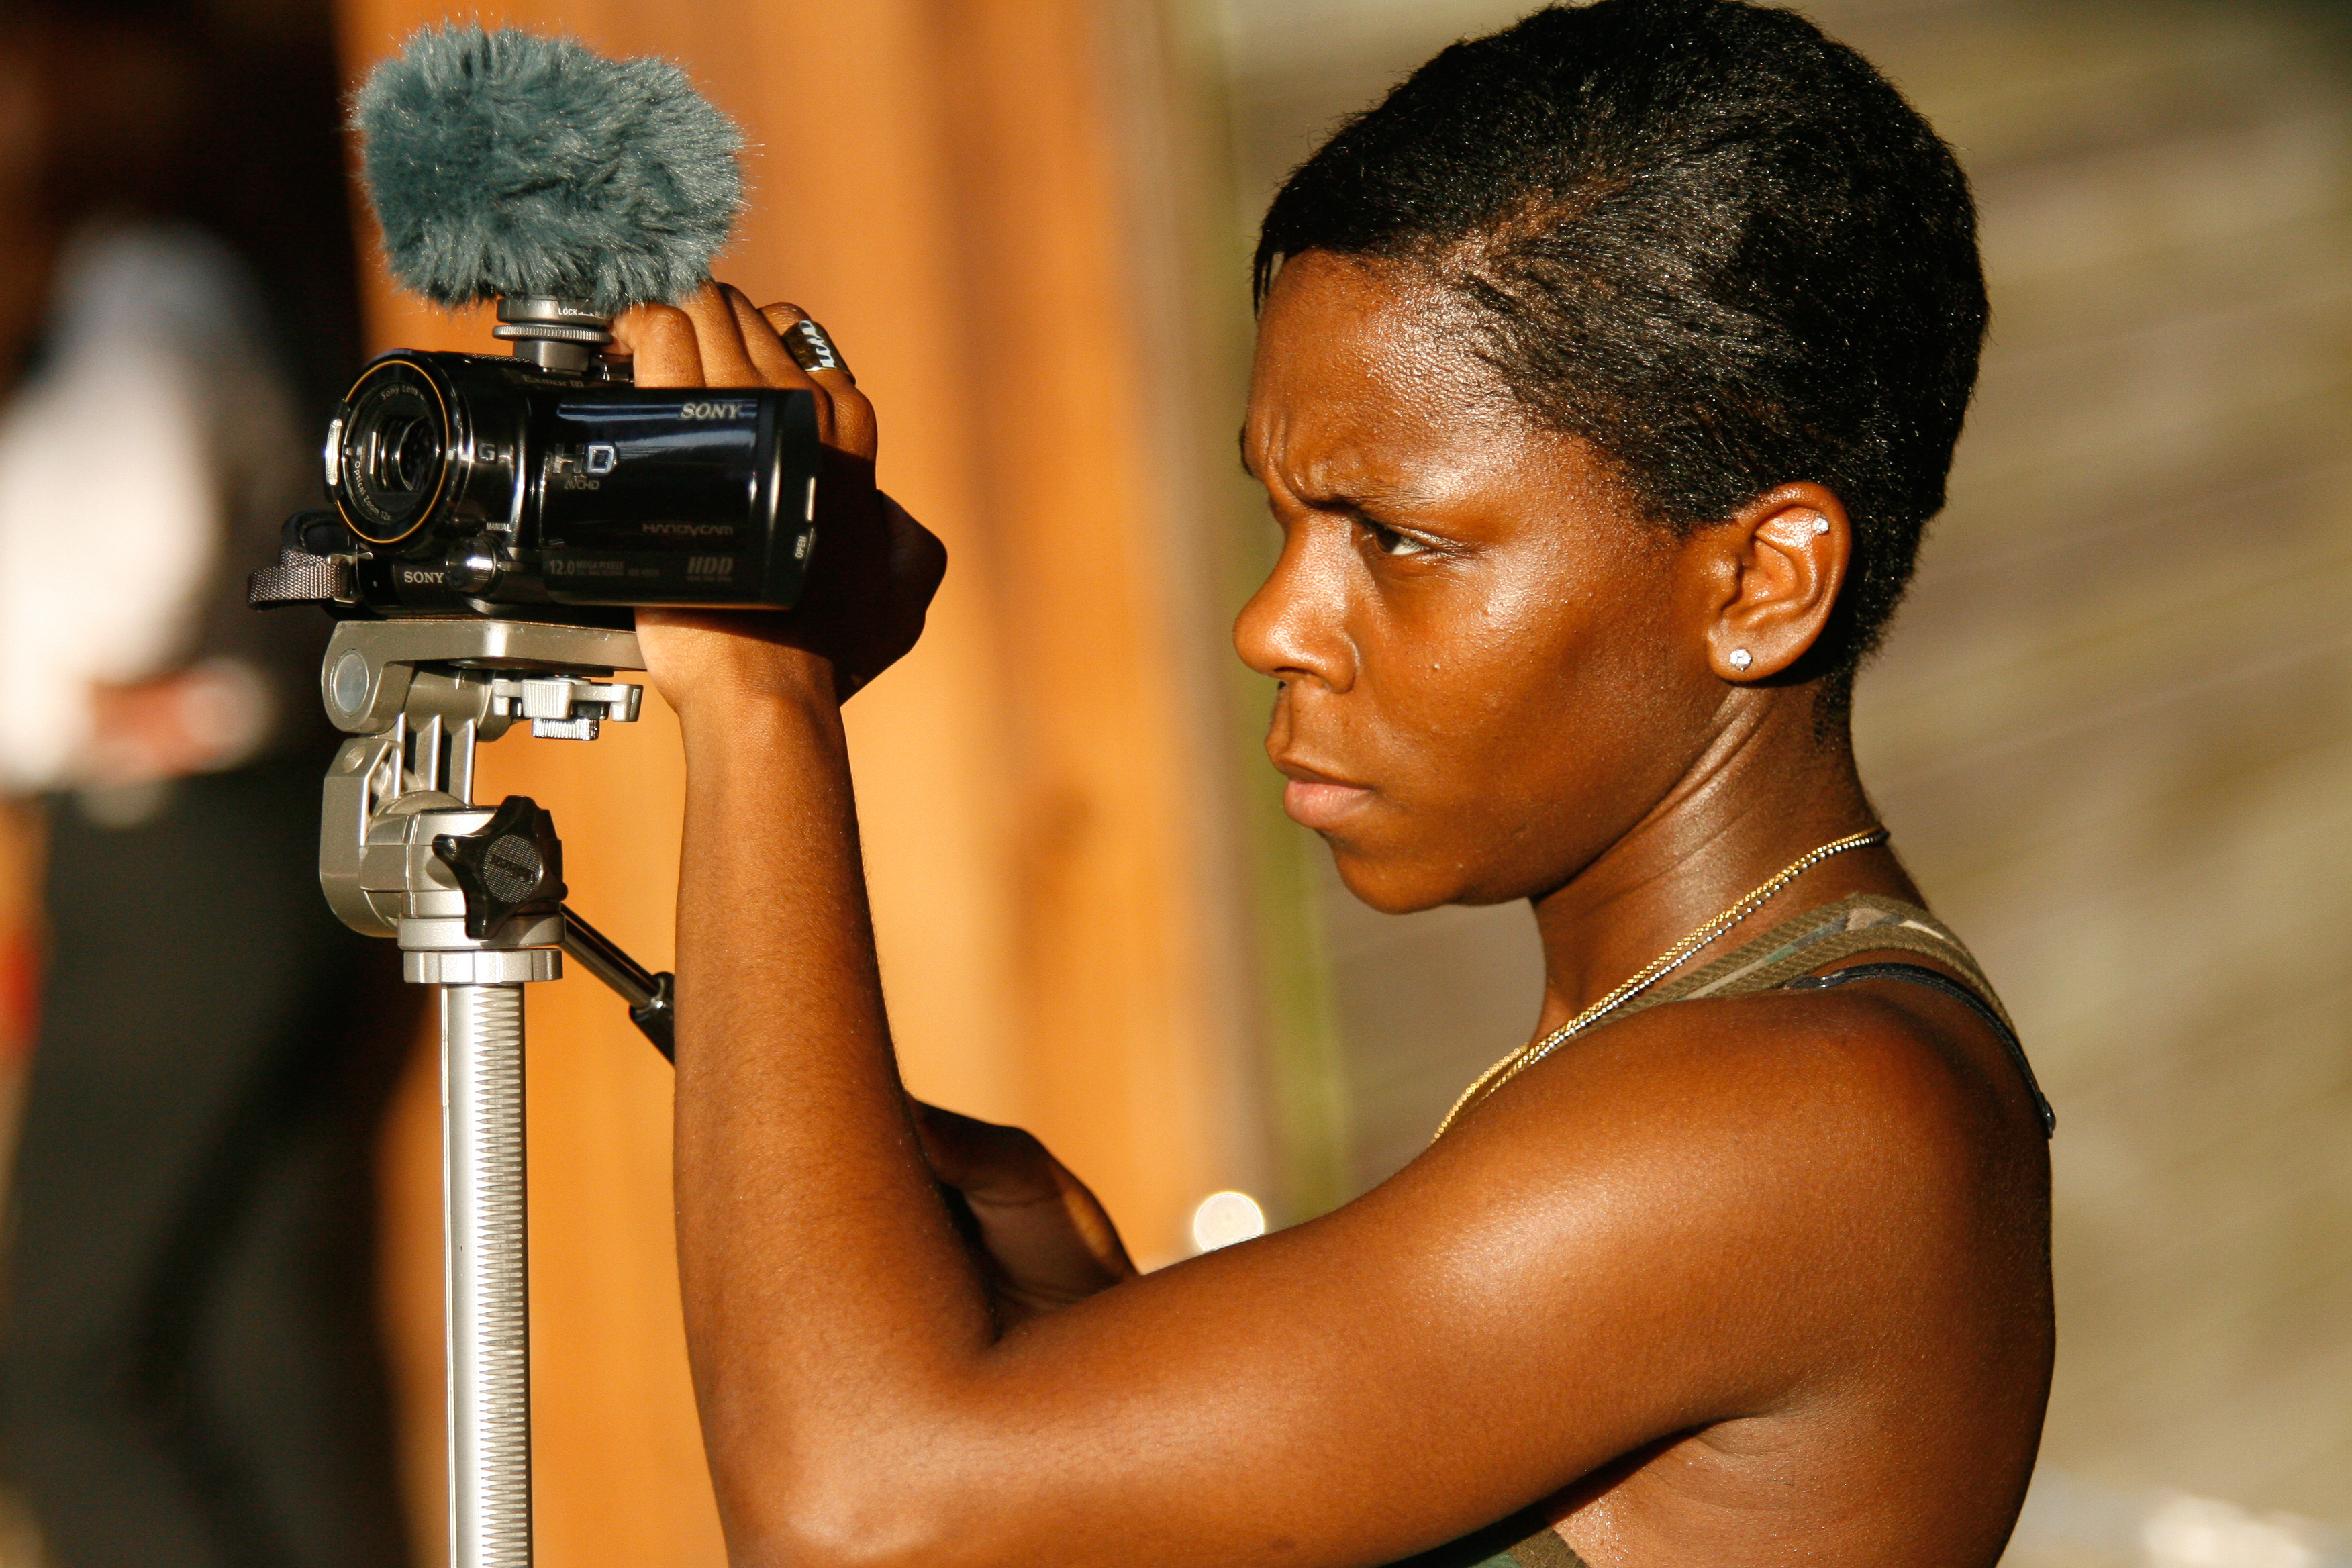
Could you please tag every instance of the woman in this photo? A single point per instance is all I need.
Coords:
(1607, 374)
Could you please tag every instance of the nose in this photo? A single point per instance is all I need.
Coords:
(1293, 626)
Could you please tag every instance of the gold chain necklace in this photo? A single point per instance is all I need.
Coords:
(1657, 969)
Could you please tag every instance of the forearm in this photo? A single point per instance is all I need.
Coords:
(826, 1293)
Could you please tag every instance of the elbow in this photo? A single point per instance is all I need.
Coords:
(811, 1539)
(853, 1514)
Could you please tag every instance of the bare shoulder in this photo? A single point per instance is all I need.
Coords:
(1832, 1081)
(1865, 1156)
(1840, 1253)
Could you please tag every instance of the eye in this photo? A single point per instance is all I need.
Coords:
(1389, 542)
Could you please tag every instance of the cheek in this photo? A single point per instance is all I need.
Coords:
(1484, 731)
(1501, 680)
(1523, 723)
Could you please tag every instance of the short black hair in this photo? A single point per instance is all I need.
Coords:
(1699, 234)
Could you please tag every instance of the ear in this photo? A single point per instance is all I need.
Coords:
(1764, 582)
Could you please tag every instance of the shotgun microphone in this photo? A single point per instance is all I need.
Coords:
(510, 165)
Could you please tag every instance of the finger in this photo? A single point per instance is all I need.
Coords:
(776, 367)
(811, 346)
(854, 426)
(661, 341)
(772, 323)
(725, 361)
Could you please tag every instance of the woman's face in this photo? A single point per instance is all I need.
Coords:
(1491, 668)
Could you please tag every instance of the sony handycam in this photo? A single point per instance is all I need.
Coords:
(472, 484)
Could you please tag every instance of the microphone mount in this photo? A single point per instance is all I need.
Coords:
(553, 334)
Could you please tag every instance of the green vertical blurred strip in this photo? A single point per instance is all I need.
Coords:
(1305, 1067)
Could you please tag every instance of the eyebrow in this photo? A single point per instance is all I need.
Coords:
(1375, 496)
(1366, 495)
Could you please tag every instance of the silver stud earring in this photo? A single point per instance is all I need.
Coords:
(1821, 525)
(1739, 660)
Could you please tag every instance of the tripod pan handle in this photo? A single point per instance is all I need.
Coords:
(650, 996)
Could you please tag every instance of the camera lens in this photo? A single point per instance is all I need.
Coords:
(395, 458)
(406, 451)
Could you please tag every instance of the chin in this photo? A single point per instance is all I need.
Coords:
(1396, 886)
(1405, 883)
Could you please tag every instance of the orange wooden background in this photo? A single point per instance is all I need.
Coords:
(984, 201)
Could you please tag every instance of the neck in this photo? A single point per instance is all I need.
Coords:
(1765, 790)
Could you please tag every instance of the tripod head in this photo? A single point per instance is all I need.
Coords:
(474, 895)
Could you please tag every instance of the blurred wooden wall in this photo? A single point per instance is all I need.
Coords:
(984, 201)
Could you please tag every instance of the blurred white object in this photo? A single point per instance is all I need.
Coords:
(1225, 1218)
(2202, 1532)
(117, 456)
(2070, 1522)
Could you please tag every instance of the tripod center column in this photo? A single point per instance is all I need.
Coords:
(488, 1295)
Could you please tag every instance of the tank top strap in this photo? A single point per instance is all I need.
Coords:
(1522, 1541)
(1544, 1549)
(1865, 923)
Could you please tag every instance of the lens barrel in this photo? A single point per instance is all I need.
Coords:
(393, 450)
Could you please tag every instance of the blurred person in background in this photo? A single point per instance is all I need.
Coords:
(191, 1373)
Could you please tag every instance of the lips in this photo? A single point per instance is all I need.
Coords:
(1319, 801)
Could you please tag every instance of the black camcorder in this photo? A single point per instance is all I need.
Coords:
(473, 484)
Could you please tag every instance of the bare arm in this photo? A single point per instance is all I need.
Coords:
(1515, 1310)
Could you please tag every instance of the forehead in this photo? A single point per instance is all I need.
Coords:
(1353, 353)
(1367, 382)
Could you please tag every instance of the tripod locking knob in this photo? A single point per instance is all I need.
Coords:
(512, 866)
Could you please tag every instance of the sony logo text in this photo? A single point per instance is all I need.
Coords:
(714, 411)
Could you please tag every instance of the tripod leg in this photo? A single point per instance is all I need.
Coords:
(488, 1331)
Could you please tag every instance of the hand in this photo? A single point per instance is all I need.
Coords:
(875, 568)
(1043, 1238)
